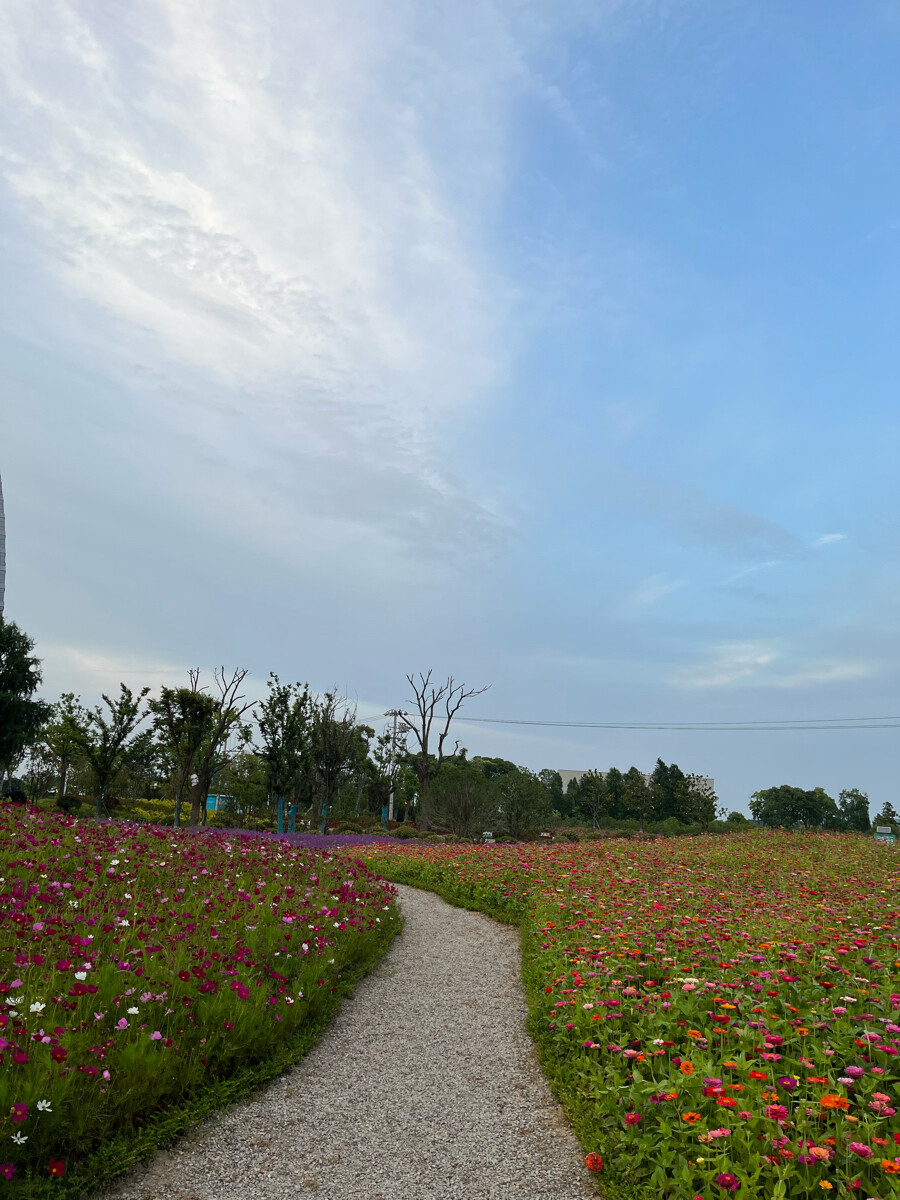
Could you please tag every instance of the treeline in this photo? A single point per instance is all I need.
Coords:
(787, 807)
(668, 794)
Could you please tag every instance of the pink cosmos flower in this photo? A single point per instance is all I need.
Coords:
(7, 1170)
(155, 1036)
(19, 1113)
(121, 1023)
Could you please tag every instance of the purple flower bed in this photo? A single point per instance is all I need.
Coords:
(312, 841)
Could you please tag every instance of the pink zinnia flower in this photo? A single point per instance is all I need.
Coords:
(861, 1149)
(776, 1112)
(632, 1118)
(726, 1180)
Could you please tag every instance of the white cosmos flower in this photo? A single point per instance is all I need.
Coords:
(44, 1106)
(82, 975)
(20, 1138)
(133, 1011)
(37, 1007)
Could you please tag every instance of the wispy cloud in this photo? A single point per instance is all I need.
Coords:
(763, 664)
(280, 216)
(826, 539)
(649, 592)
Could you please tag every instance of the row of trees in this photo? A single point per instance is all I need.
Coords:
(668, 793)
(310, 752)
(788, 807)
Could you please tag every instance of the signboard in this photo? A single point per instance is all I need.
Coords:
(487, 834)
(888, 838)
(883, 829)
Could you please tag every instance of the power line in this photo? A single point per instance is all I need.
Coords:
(811, 723)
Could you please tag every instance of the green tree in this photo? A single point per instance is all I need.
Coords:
(184, 720)
(853, 810)
(107, 741)
(243, 779)
(334, 749)
(21, 716)
(60, 736)
(461, 793)
(702, 803)
(638, 798)
(593, 797)
(888, 815)
(552, 781)
(615, 789)
(787, 807)
(285, 723)
(522, 801)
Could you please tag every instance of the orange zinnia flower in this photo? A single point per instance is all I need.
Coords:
(686, 1068)
(890, 1166)
(691, 1118)
(829, 1100)
(759, 1075)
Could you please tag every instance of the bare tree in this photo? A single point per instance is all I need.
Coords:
(433, 702)
(226, 720)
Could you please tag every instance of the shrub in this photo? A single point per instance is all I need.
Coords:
(405, 831)
(69, 804)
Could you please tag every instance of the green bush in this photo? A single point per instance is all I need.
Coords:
(405, 831)
(69, 804)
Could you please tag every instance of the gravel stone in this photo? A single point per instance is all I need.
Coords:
(425, 1085)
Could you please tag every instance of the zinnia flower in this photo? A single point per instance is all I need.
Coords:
(594, 1162)
(829, 1100)
(861, 1149)
(632, 1118)
(729, 1182)
(686, 1068)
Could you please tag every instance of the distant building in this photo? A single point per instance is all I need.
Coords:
(707, 784)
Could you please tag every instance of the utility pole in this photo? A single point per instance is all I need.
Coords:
(395, 713)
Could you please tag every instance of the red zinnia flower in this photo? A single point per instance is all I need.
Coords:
(594, 1162)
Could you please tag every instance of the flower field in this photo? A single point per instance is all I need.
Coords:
(719, 1016)
(142, 967)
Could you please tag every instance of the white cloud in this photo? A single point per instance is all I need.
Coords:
(762, 664)
(270, 217)
(827, 538)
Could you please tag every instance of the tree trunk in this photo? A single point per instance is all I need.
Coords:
(199, 792)
(422, 807)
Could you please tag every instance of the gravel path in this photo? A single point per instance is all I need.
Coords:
(424, 1087)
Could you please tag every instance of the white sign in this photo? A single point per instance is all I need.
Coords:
(487, 833)
(883, 829)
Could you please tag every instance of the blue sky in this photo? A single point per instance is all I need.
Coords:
(551, 345)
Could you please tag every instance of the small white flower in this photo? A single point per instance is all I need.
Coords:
(114, 862)
(124, 922)
(133, 1011)
(20, 1139)
(37, 1007)
(81, 975)
(128, 896)
(16, 1000)
(14, 1012)
(44, 1106)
